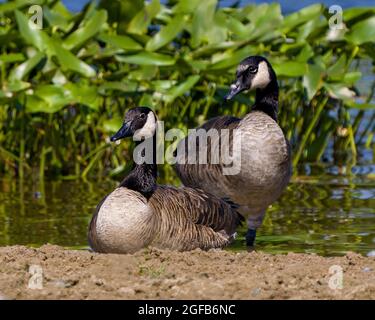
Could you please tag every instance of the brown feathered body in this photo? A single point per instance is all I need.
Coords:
(172, 218)
(265, 164)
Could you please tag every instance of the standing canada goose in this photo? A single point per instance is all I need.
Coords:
(139, 213)
(265, 159)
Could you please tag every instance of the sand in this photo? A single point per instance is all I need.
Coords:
(51, 272)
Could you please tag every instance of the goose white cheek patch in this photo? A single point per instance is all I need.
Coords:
(148, 129)
(262, 78)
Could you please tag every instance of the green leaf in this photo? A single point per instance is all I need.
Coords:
(121, 12)
(143, 73)
(210, 49)
(17, 4)
(88, 30)
(166, 33)
(302, 16)
(312, 79)
(197, 65)
(230, 58)
(362, 106)
(203, 21)
(52, 98)
(355, 12)
(363, 31)
(124, 86)
(112, 125)
(352, 77)
(338, 68)
(290, 68)
(122, 42)
(309, 28)
(141, 21)
(186, 6)
(83, 94)
(305, 54)
(31, 35)
(163, 85)
(9, 88)
(339, 91)
(57, 19)
(181, 88)
(55, 96)
(35, 104)
(238, 29)
(22, 70)
(146, 100)
(147, 58)
(11, 57)
(264, 21)
(60, 9)
(68, 61)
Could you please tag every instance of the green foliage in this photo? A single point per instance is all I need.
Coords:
(65, 87)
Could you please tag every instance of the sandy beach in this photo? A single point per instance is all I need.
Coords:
(51, 272)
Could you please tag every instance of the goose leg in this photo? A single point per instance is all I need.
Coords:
(254, 221)
(250, 238)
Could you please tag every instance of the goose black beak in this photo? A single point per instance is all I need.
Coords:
(235, 89)
(124, 132)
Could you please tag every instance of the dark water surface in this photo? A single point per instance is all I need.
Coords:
(321, 212)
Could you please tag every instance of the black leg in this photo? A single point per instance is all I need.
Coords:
(250, 237)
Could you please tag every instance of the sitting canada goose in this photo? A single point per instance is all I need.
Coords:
(265, 162)
(140, 213)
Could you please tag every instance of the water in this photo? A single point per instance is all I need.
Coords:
(322, 212)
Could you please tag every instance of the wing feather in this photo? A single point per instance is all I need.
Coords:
(193, 218)
(193, 174)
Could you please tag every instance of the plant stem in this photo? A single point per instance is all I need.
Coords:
(309, 131)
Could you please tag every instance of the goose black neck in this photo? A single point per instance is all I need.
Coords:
(267, 99)
(142, 177)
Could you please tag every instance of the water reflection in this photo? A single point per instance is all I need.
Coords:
(322, 213)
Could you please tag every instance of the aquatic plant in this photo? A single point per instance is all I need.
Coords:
(64, 88)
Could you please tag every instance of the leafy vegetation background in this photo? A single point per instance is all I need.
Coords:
(64, 88)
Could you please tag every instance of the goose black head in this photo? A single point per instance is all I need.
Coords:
(254, 72)
(139, 122)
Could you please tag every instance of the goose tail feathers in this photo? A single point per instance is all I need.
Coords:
(240, 218)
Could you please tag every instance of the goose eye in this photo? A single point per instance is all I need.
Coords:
(253, 69)
(142, 116)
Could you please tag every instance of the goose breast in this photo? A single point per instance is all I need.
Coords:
(124, 222)
(265, 162)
